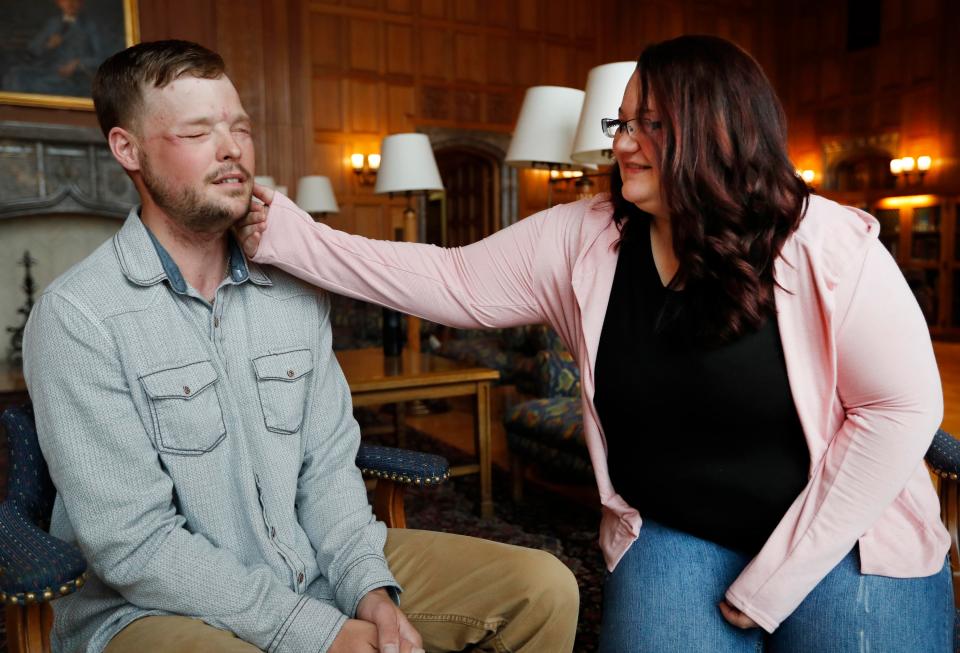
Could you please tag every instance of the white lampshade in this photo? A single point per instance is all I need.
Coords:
(281, 189)
(407, 164)
(545, 127)
(265, 180)
(315, 195)
(605, 85)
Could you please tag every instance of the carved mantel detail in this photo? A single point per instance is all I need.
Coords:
(59, 169)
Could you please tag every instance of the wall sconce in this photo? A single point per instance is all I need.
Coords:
(365, 167)
(907, 165)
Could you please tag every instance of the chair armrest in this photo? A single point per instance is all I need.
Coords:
(943, 456)
(35, 566)
(402, 465)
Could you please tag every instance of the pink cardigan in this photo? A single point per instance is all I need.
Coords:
(858, 356)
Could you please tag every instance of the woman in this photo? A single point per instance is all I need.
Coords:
(758, 382)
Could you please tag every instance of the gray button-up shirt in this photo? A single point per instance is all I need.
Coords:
(203, 453)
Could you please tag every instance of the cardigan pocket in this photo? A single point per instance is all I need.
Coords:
(282, 385)
(185, 407)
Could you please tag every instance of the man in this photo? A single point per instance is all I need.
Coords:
(199, 430)
(64, 54)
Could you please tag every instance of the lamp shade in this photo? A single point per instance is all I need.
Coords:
(407, 164)
(315, 195)
(605, 85)
(545, 127)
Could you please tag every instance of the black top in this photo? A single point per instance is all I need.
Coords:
(703, 440)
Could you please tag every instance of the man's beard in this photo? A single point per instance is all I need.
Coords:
(189, 208)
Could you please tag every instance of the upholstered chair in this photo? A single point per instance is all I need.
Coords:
(37, 568)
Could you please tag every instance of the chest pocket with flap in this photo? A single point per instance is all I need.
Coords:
(282, 381)
(186, 410)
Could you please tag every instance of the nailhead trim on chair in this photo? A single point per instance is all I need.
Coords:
(429, 480)
(44, 595)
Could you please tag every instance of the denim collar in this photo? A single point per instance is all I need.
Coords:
(146, 262)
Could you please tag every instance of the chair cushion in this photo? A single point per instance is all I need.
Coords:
(402, 465)
(558, 373)
(556, 422)
(28, 482)
(36, 565)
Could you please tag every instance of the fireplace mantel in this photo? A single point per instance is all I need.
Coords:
(60, 169)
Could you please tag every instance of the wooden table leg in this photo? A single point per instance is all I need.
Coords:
(400, 423)
(483, 449)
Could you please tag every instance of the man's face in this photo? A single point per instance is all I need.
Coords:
(197, 159)
(70, 7)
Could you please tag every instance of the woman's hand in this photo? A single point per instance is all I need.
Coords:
(735, 616)
(249, 230)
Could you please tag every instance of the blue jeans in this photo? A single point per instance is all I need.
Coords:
(662, 598)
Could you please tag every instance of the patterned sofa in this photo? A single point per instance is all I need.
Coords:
(548, 432)
(511, 351)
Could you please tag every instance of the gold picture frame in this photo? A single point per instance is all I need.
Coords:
(28, 66)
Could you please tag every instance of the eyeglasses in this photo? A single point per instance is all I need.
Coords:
(613, 126)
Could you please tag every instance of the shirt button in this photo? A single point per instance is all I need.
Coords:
(186, 389)
(273, 532)
(300, 577)
(216, 322)
(290, 373)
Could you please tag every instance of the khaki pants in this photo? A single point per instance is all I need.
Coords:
(459, 592)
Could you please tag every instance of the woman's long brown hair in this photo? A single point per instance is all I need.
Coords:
(732, 193)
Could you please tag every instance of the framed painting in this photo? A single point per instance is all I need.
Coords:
(50, 49)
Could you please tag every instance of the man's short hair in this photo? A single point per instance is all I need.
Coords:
(120, 80)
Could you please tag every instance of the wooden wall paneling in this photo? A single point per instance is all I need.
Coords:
(890, 72)
(399, 6)
(556, 18)
(672, 21)
(557, 68)
(401, 108)
(527, 61)
(922, 112)
(363, 4)
(528, 15)
(891, 21)
(468, 106)
(434, 8)
(924, 57)
(832, 78)
(500, 59)
(368, 219)
(399, 52)
(502, 108)
(466, 11)
(330, 159)
(328, 103)
(365, 106)
(584, 17)
(365, 45)
(500, 13)
(922, 11)
(181, 19)
(436, 52)
(326, 40)
(470, 65)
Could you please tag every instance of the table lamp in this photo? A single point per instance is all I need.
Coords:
(407, 166)
(605, 86)
(315, 196)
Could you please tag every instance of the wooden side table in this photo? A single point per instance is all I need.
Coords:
(376, 379)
